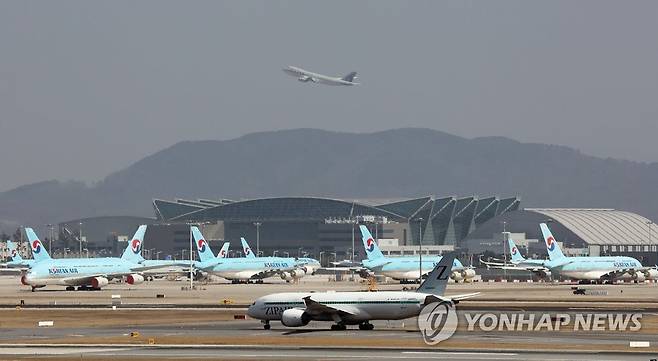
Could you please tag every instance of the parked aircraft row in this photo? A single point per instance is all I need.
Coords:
(95, 273)
(590, 269)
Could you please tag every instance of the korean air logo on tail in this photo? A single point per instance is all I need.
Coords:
(201, 244)
(136, 245)
(514, 251)
(370, 245)
(36, 246)
(247, 251)
(222, 253)
(14, 252)
(550, 243)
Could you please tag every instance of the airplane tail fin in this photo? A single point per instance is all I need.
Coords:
(437, 280)
(514, 251)
(39, 252)
(202, 247)
(554, 251)
(372, 250)
(13, 252)
(350, 77)
(246, 249)
(133, 251)
(223, 252)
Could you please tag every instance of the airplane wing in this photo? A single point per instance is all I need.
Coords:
(631, 271)
(316, 308)
(454, 299)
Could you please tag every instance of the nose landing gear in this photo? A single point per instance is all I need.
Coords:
(366, 326)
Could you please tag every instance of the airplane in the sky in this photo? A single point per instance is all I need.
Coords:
(306, 76)
(518, 262)
(85, 272)
(243, 270)
(309, 265)
(355, 308)
(597, 269)
(406, 268)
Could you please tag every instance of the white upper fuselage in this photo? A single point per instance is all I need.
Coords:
(304, 75)
(385, 305)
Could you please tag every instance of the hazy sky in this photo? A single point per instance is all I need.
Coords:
(88, 87)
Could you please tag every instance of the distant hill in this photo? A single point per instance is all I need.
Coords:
(388, 164)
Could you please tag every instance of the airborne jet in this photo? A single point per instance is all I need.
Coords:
(355, 308)
(305, 76)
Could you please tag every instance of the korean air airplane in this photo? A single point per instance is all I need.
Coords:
(593, 269)
(16, 260)
(355, 308)
(244, 270)
(518, 262)
(85, 272)
(405, 268)
(308, 265)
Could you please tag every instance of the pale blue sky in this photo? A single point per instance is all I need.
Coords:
(89, 87)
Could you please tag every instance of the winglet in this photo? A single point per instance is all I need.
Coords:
(437, 280)
(39, 252)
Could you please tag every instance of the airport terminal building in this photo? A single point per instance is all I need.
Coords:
(327, 228)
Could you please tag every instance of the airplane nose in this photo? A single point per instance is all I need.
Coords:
(251, 311)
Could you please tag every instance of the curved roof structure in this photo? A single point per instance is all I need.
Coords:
(287, 208)
(604, 226)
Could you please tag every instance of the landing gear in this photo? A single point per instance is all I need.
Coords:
(338, 327)
(266, 324)
(33, 288)
(70, 288)
(366, 326)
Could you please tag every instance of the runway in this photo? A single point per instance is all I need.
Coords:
(286, 353)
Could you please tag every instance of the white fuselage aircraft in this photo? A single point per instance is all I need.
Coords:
(306, 76)
(352, 308)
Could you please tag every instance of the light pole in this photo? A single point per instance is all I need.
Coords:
(420, 249)
(50, 241)
(275, 252)
(257, 224)
(352, 222)
(80, 253)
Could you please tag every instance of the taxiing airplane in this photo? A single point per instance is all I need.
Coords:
(306, 76)
(518, 262)
(243, 270)
(309, 265)
(85, 272)
(355, 308)
(406, 268)
(597, 269)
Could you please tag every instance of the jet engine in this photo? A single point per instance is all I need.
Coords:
(469, 273)
(298, 273)
(457, 276)
(134, 279)
(286, 276)
(305, 79)
(295, 318)
(638, 277)
(98, 282)
(24, 280)
(651, 274)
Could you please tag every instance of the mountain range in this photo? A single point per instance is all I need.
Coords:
(399, 163)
